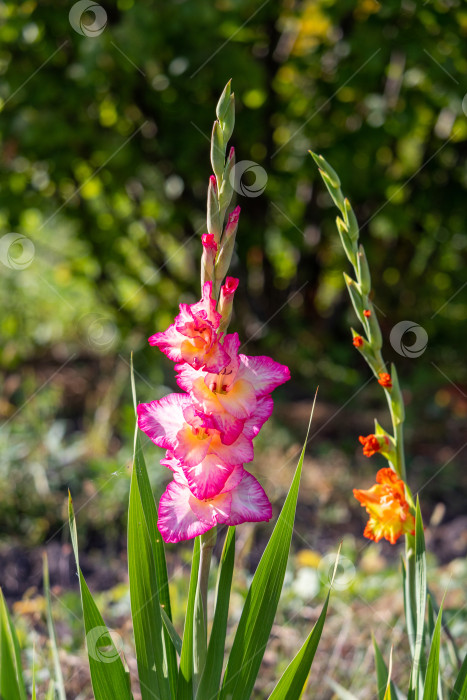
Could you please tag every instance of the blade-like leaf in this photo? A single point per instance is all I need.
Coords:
(409, 599)
(108, 676)
(210, 680)
(157, 543)
(341, 692)
(261, 603)
(185, 675)
(293, 680)
(430, 691)
(33, 690)
(59, 683)
(145, 606)
(382, 673)
(11, 674)
(459, 692)
(388, 694)
(173, 634)
(416, 678)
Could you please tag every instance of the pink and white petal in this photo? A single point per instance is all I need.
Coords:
(231, 346)
(238, 452)
(235, 478)
(170, 461)
(162, 420)
(185, 322)
(228, 426)
(204, 396)
(187, 375)
(249, 502)
(263, 373)
(176, 519)
(189, 448)
(240, 400)
(215, 359)
(193, 350)
(213, 512)
(207, 479)
(262, 413)
(168, 342)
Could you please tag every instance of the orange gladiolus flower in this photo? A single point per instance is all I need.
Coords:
(385, 380)
(385, 503)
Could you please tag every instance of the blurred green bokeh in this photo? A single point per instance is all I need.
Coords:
(104, 170)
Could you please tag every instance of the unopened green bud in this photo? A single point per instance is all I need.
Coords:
(397, 401)
(345, 240)
(228, 122)
(324, 165)
(364, 276)
(213, 214)
(335, 192)
(351, 220)
(355, 295)
(217, 150)
(227, 246)
(226, 190)
(224, 101)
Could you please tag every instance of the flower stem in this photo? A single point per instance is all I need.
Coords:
(200, 626)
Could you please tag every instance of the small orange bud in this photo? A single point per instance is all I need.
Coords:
(358, 341)
(385, 380)
(367, 313)
(371, 445)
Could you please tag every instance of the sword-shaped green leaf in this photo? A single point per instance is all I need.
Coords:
(145, 606)
(108, 676)
(11, 674)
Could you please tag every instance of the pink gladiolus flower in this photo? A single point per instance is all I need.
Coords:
(182, 516)
(238, 386)
(175, 424)
(193, 338)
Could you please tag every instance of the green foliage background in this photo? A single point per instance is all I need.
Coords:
(105, 163)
